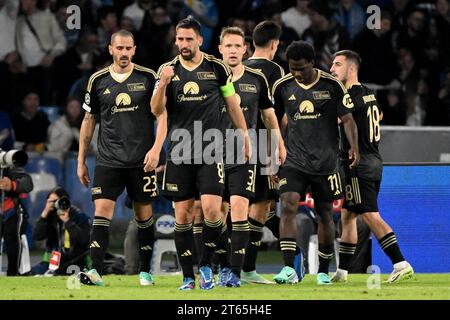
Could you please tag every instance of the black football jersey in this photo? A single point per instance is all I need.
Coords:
(194, 95)
(126, 122)
(273, 72)
(312, 112)
(367, 117)
(252, 91)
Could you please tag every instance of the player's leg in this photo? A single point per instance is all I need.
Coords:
(325, 190)
(347, 245)
(198, 229)
(143, 189)
(184, 240)
(107, 186)
(179, 186)
(388, 242)
(224, 246)
(211, 181)
(288, 236)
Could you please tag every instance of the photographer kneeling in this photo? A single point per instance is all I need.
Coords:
(67, 231)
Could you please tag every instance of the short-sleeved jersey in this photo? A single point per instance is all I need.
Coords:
(126, 122)
(367, 118)
(252, 91)
(312, 112)
(273, 72)
(194, 94)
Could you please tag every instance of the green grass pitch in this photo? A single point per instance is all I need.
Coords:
(421, 287)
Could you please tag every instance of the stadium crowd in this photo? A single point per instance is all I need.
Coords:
(44, 63)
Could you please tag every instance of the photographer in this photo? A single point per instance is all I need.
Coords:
(66, 230)
(14, 183)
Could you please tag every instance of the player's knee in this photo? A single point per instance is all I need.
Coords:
(104, 208)
(372, 219)
(289, 203)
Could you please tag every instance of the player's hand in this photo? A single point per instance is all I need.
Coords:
(166, 75)
(274, 178)
(247, 148)
(151, 160)
(83, 174)
(5, 184)
(282, 153)
(353, 155)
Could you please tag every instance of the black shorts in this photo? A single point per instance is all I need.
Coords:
(265, 188)
(240, 181)
(325, 188)
(188, 181)
(361, 195)
(109, 184)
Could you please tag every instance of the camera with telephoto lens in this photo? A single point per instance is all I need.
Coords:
(13, 158)
(62, 204)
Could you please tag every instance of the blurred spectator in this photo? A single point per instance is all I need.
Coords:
(206, 12)
(64, 133)
(414, 35)
(444, 98)
(296, 17)
(139, 11)
(6, 132)
(108, 25)
(379, 64)
(324, 34)
(400, 9)
(351, 17)
(394, 109)
(158, 32)
(30, 125)
(71, 35)
(8, 54)
(76, 62)
(443, 27)
(126, 23)
(66, 229)
(39, 41)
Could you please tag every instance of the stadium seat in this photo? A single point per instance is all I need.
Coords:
(39, 204)
(41, 181)
(47, 165)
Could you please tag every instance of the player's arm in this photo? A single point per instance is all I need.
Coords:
(86, 133)
(159, 98)
(270, 121)
(237, 118)
(151, 160)
(351, 132)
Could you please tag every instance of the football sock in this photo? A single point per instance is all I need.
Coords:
(346, 252)
(288, 247)
(390, 246)
(146, 239)
(211, 234)
(99, 242)
(273, 224)
(254, 242)
(239, 241)
(184, 242)
(223, 248)
(325, 256)
(198, 240)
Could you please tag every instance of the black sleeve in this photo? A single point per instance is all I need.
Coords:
(40, 229)
(344, 101)
(91, 102)
(265, 98)
(356, 94)
(79, 232)
(22, 182)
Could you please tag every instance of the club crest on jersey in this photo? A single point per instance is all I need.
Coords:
(347, 101)
(321, 95)
(245, 87)
(306, 111)
(87, 98)
(136, 87)
(206, 76)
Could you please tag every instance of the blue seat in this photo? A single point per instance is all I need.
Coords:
(45, 164)
(39, 204)
(52, 112)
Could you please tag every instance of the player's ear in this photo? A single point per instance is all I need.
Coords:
(200, 41)
(220, 48)
(110, 49)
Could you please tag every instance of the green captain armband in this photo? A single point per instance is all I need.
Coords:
(227, 90)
